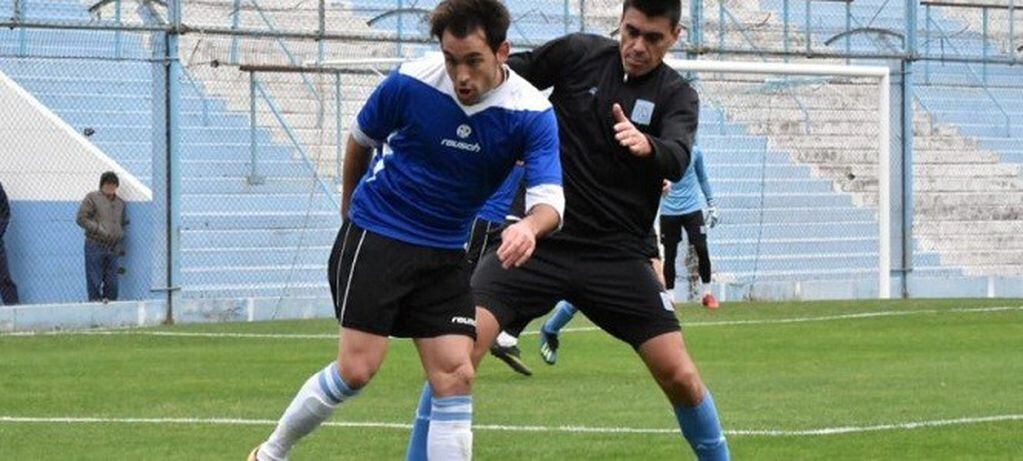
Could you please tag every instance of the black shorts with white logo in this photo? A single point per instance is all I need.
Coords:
(621, 294)
(388, 287)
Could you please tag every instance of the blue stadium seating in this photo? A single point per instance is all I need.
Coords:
(272, 239)
(238, 240)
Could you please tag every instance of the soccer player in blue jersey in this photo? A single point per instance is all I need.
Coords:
(682, 209)
(449, 131)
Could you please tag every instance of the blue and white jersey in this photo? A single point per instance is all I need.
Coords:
(683, 197)
(439, 161)
(499, 205)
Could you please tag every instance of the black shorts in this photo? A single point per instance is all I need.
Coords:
(388, 287)
(673, 225)
(620, 294)
(484, 236)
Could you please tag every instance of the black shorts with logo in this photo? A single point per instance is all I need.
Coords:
(388, 287)
(621, 294)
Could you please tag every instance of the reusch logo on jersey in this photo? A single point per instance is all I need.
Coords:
(464, 321)
(463, 132)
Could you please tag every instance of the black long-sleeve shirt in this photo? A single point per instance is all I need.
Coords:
(611, 195)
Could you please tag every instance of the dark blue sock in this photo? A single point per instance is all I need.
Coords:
(421, 426)
(701, 428)
(563, 314)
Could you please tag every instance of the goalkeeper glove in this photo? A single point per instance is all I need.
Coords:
(712, 217)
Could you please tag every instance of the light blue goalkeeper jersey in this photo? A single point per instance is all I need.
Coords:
(683, 197)
(440, 161)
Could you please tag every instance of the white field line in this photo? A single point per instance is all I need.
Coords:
(826, 318)
(512, 428)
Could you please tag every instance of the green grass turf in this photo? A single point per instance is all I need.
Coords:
(932, 363)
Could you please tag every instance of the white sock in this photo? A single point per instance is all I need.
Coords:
(507, 340)
(450, 436)
(706, 289)
(314, 404)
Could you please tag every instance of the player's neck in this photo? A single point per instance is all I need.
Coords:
(502, 77)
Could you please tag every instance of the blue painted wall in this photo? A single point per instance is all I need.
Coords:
(45, 250)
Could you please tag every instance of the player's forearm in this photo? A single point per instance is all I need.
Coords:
(354, 167)
(671, 158)
(542, 219)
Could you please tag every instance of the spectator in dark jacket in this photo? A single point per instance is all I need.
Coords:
(102, 215)
(8, 290)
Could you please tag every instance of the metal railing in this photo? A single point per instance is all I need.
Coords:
(257, 91)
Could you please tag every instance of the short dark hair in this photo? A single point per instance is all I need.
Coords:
(671, 9)
(109, 177)
(463, 17)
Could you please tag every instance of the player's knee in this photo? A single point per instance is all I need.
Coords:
(455, 380)
(683, 385)
(357, 374)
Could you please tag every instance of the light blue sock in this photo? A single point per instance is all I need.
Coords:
(701, 428)
(450, 436)
(563, 313)
(421, 426)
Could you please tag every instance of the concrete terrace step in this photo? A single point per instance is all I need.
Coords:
(925, 170)
(978, 212)
(126, 117)
(795, 230)
(945, 184)
(280, 290)
(240, 185)
(326, 221)
(968, 227)
(792, 215)
(198, 134)
(782, 200)
(1005, 270)
(236, 168)
(256, 201)
(973, 257)
(777, 247)
(975, 244)
(240, 258)
(747, 275)
(719, 171)
(209, 239)
(947, 198)
(771, 185)
(254, 275)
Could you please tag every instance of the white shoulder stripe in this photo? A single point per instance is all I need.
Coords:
(514, 94)
(521, 95)
(429, 70)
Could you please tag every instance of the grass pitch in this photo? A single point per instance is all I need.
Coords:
(923, 379)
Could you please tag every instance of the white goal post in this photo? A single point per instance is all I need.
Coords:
(883, 77)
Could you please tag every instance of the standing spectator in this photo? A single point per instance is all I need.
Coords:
(8, 290)
(103, 218)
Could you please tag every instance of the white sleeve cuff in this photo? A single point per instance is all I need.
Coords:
(548, 194)
(362, 138)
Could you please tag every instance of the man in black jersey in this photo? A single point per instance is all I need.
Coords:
(626, 122)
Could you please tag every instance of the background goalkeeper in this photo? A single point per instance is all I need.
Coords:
(683, 208)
